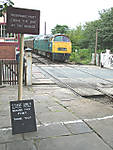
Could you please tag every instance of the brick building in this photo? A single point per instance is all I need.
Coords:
(9, 42)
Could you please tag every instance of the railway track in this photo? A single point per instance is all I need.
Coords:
(60, 82)
(38, 59)
(45, 61)
(96, 88)
(63, 84)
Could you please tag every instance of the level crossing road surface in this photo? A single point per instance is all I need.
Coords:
(64, 119)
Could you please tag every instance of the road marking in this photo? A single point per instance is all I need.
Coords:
(78, 121)
(62, 123)
(103, 118)
(66, 122)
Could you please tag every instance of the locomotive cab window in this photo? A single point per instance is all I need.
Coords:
(61, 39)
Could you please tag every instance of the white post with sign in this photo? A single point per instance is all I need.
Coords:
(28, 56)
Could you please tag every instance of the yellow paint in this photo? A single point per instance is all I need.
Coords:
(57, 45)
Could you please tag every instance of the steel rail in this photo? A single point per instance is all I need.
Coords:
(98, 89)
(38, 60)
(64, 84)
(93, 75)
(73, 90)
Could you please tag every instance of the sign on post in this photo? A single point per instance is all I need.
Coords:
(24, 21)
(22, 116)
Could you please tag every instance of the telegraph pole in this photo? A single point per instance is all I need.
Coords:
(45, 29)
(96, 45)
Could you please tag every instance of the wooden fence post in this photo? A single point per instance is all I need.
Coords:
(20, 85)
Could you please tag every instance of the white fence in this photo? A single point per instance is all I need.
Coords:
(104, 59)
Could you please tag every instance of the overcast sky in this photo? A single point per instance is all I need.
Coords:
(65, 12)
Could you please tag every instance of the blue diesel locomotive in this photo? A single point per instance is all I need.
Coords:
(56, 47)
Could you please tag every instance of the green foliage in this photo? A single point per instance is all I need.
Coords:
(1, 7)
(4, 5)
(81, 56)
(105, 32)
(60, 29)
(107, 28)
(85, 36)
(76, 35)
(100, 51)
(90, 34)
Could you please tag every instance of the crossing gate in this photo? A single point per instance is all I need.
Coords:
(9, 72)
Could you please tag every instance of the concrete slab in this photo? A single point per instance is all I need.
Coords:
(78, 128)
(89, 141)
(105, 85)
(6, 136)
(63, 93)
(21, 145)
(52, 130)
(5, 121)
(52, 117)
(43, 98)
(41, 108)
(57, 108)
(42, 82)
(87, 91)
(107, 90)
(2, 147)
(44, 89)
(104, 128)
(88, 109)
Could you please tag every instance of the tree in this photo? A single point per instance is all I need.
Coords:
(60, 29)
(76, 35)
(106, 27)
(85, 36)
(4, 5)
(90, 34)
(105, 31)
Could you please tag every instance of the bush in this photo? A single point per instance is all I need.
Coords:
(81, 56)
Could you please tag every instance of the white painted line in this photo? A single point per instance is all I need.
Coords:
(75, 121)
(103, 118)
(66, 122)
(53, 123)
(5, 129)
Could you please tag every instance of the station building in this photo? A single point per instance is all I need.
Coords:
(9, 42)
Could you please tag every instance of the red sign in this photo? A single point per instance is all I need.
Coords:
(25, 21)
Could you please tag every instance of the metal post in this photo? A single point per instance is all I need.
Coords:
(20, 89)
